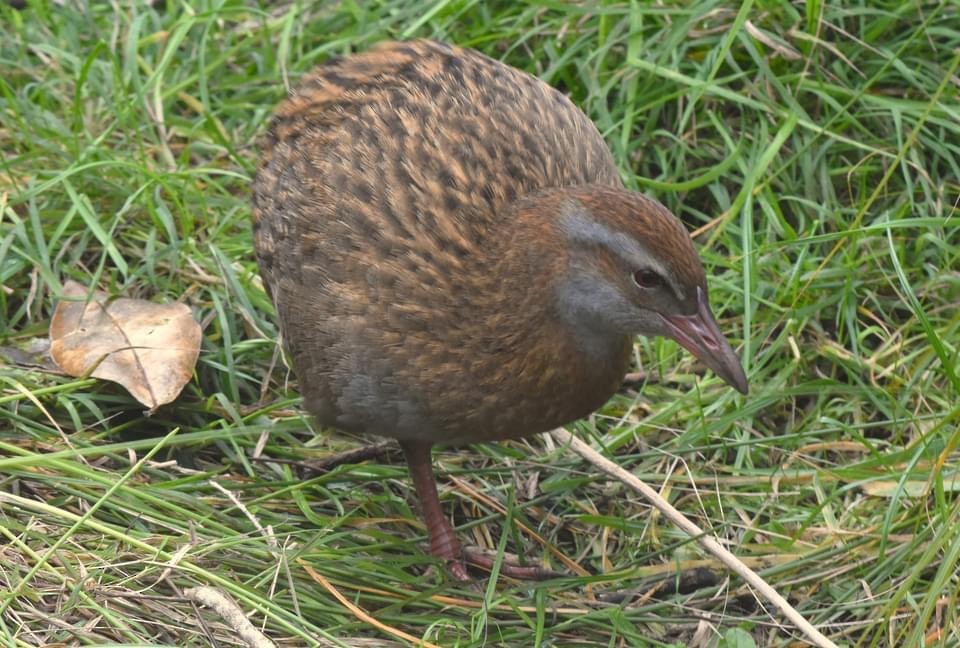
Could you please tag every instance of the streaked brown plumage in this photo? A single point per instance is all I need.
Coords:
(454, 259)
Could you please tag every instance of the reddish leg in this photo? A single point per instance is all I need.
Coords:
(443, 540)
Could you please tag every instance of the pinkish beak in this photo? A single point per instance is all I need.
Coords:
(700, 335)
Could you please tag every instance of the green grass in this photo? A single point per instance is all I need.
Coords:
(815, 147)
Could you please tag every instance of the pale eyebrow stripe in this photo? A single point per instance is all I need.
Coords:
(578, 226)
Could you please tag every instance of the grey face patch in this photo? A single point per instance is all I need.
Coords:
(594, 308)
(579, 227)
(600, 321)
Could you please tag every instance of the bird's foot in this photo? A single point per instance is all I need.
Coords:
(509, 566)
(443, 539)
(458, 562)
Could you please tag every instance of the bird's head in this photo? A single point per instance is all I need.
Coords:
(631, 268)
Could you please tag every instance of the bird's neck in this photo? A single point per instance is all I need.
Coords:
(532, 260)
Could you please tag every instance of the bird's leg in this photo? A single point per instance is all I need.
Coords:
(443, 539)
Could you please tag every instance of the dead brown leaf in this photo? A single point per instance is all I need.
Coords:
(150, 349)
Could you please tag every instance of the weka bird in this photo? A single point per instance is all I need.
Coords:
(454, 259)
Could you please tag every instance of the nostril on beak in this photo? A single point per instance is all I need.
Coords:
(705, 334)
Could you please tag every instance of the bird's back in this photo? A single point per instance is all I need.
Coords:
(383, 179)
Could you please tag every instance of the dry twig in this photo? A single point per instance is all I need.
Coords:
(709, 542)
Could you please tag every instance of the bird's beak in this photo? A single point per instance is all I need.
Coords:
(700, 335)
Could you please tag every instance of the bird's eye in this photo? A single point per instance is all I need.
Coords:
(647, 279)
